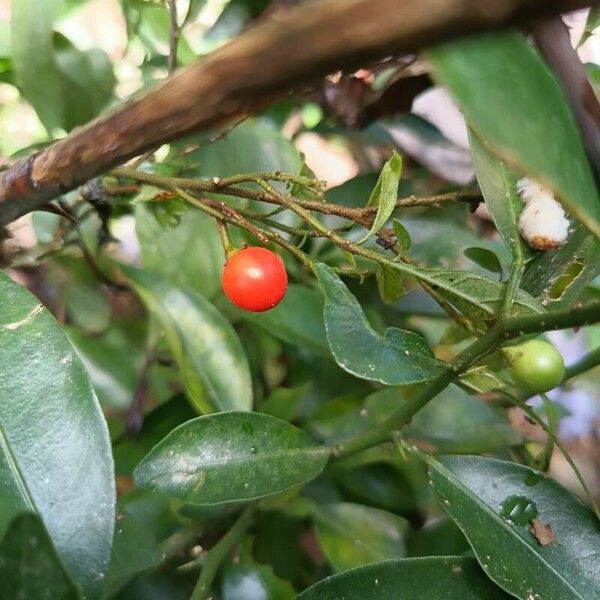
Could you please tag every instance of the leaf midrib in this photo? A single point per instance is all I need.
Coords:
(498, 520)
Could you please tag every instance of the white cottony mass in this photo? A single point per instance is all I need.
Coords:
(542, 222)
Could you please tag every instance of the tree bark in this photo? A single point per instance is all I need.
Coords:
(265, 63)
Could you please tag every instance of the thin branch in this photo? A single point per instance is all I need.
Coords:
(173, 36)
(244, 76)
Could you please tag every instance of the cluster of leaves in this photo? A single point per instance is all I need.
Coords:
(268, 465)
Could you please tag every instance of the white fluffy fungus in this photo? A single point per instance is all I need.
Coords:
(542, 222)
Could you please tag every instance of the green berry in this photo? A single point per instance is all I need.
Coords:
(536, 366)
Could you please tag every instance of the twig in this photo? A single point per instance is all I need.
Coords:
(173, 36)
(217, 554)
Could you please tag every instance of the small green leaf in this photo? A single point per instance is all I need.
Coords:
(385, 194)
(528, 125)
(485, 258)
(390, 284)
(430, 578)
(398, 357)
(55, 458)
(498, 186)
(495, 503)
(189, 251)
(402, 236)
(205, 346)
(229, 457)
(29, 565)
(352, 535)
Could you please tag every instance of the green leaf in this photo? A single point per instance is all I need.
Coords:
(495, 504)
(390, 284)
(528, 125)
(86, 305)
(385, 194)
(402, 235)
(485, 258)
(398, 357)
(29, 565)
(592, 23)
(477, 297)
(498, 186)
(39, 80)
(190, 253)
(206, 348)
(558, 278)
(193, 11)
(352, 535)
(55, 459)
(457, 422)
(431, 578)
(296, 320)
(232, 456)
(87, 78)
(134, 550)
(237, 152)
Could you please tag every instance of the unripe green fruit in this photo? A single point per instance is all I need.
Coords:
(536, 366)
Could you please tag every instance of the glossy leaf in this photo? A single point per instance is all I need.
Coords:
(398, 357)
(33, 58)
(529, 125)
(498, 186)
(296, 320)
(495, 503)
(29, 565)
(485, 258)
(352, 535)
(208, 352)
(55, 459)
(229, 457)
(189, 253)
(433, 578)
(385, 194)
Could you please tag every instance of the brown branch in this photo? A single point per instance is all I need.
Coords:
(266, 62)
(552, 38)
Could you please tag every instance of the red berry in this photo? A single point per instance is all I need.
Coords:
(254, 279)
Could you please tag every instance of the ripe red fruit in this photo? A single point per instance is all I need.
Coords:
(254, 279)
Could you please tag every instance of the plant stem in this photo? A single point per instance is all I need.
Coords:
(589, 361)
(219, 552)
(402, 415)
(173, 36)
(577, 316)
